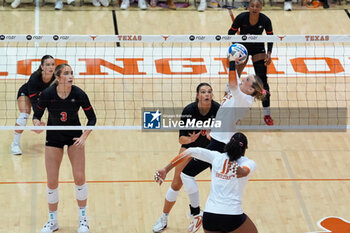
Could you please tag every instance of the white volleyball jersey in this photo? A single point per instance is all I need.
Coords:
(226, 190)
(233, 108)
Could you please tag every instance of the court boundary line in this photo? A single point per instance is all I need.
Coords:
(168, 181)
(347, 12)
(115, 24)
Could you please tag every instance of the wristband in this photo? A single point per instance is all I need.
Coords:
(232, 65)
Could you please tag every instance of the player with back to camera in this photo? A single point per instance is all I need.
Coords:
(202, 109)
(63, 101)
(237, 101)
(229, 176)
(254, 22)
(28, 95)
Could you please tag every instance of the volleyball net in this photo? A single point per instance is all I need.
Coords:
(127, 76)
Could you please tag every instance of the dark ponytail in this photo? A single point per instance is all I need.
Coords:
(236, 147)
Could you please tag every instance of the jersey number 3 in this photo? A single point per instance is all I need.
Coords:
(63, 116)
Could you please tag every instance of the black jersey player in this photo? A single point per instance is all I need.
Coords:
(63, 101)
(28, 95)
(254, 23)
(203, 109)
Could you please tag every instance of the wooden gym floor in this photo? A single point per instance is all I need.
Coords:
(302, 177)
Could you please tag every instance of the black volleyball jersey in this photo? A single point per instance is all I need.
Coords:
(242, 23)
(64, 111)
(190, 112)
(35, 86)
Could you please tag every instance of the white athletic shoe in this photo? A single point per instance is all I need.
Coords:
(161, 224)
(104, 2)
(58, 5)
(288, 6)
(196, 223)
(202, 6)
(15, 149)
(15, 3)
(83, 225)
(96, 3)
(125, 4)
(50, 227)
(142, 4)
(71, 2)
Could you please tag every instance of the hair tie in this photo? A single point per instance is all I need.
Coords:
(263, 91)
(241, 144)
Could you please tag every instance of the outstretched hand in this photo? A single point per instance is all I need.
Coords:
(193, 136)
(159, 176)
(233, 57)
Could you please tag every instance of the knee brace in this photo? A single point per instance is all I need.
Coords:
(171, 195)
(190, 184)
(22, 119)
(52, 195)
(81, 192)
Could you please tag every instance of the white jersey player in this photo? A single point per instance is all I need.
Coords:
(237, 101)
(229, 175)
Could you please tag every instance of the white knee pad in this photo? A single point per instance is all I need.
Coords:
(52, 195)
(171, 195)
(190, 184)
(22, 119)
(81, 192)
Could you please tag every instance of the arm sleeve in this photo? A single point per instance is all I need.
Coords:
(40, 106)
(235, 26)
(269, 31)
(89, 111)
(184, 117)
(33, 90)
(202, 154)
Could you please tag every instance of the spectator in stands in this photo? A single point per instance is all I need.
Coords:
(288, 5)
(126, 3)
(59, 3)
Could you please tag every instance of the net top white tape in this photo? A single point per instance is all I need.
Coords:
(177, 38)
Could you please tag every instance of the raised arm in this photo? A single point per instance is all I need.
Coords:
(232, 75)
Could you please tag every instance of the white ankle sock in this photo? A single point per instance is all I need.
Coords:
(17, 138)
(82, 212)
(53, 216)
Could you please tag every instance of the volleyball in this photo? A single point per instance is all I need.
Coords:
(238, 50)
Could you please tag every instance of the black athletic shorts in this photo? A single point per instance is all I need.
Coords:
(61, 138)
(222, 222)
(255, 48)
(195, 166)
(23, 91)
